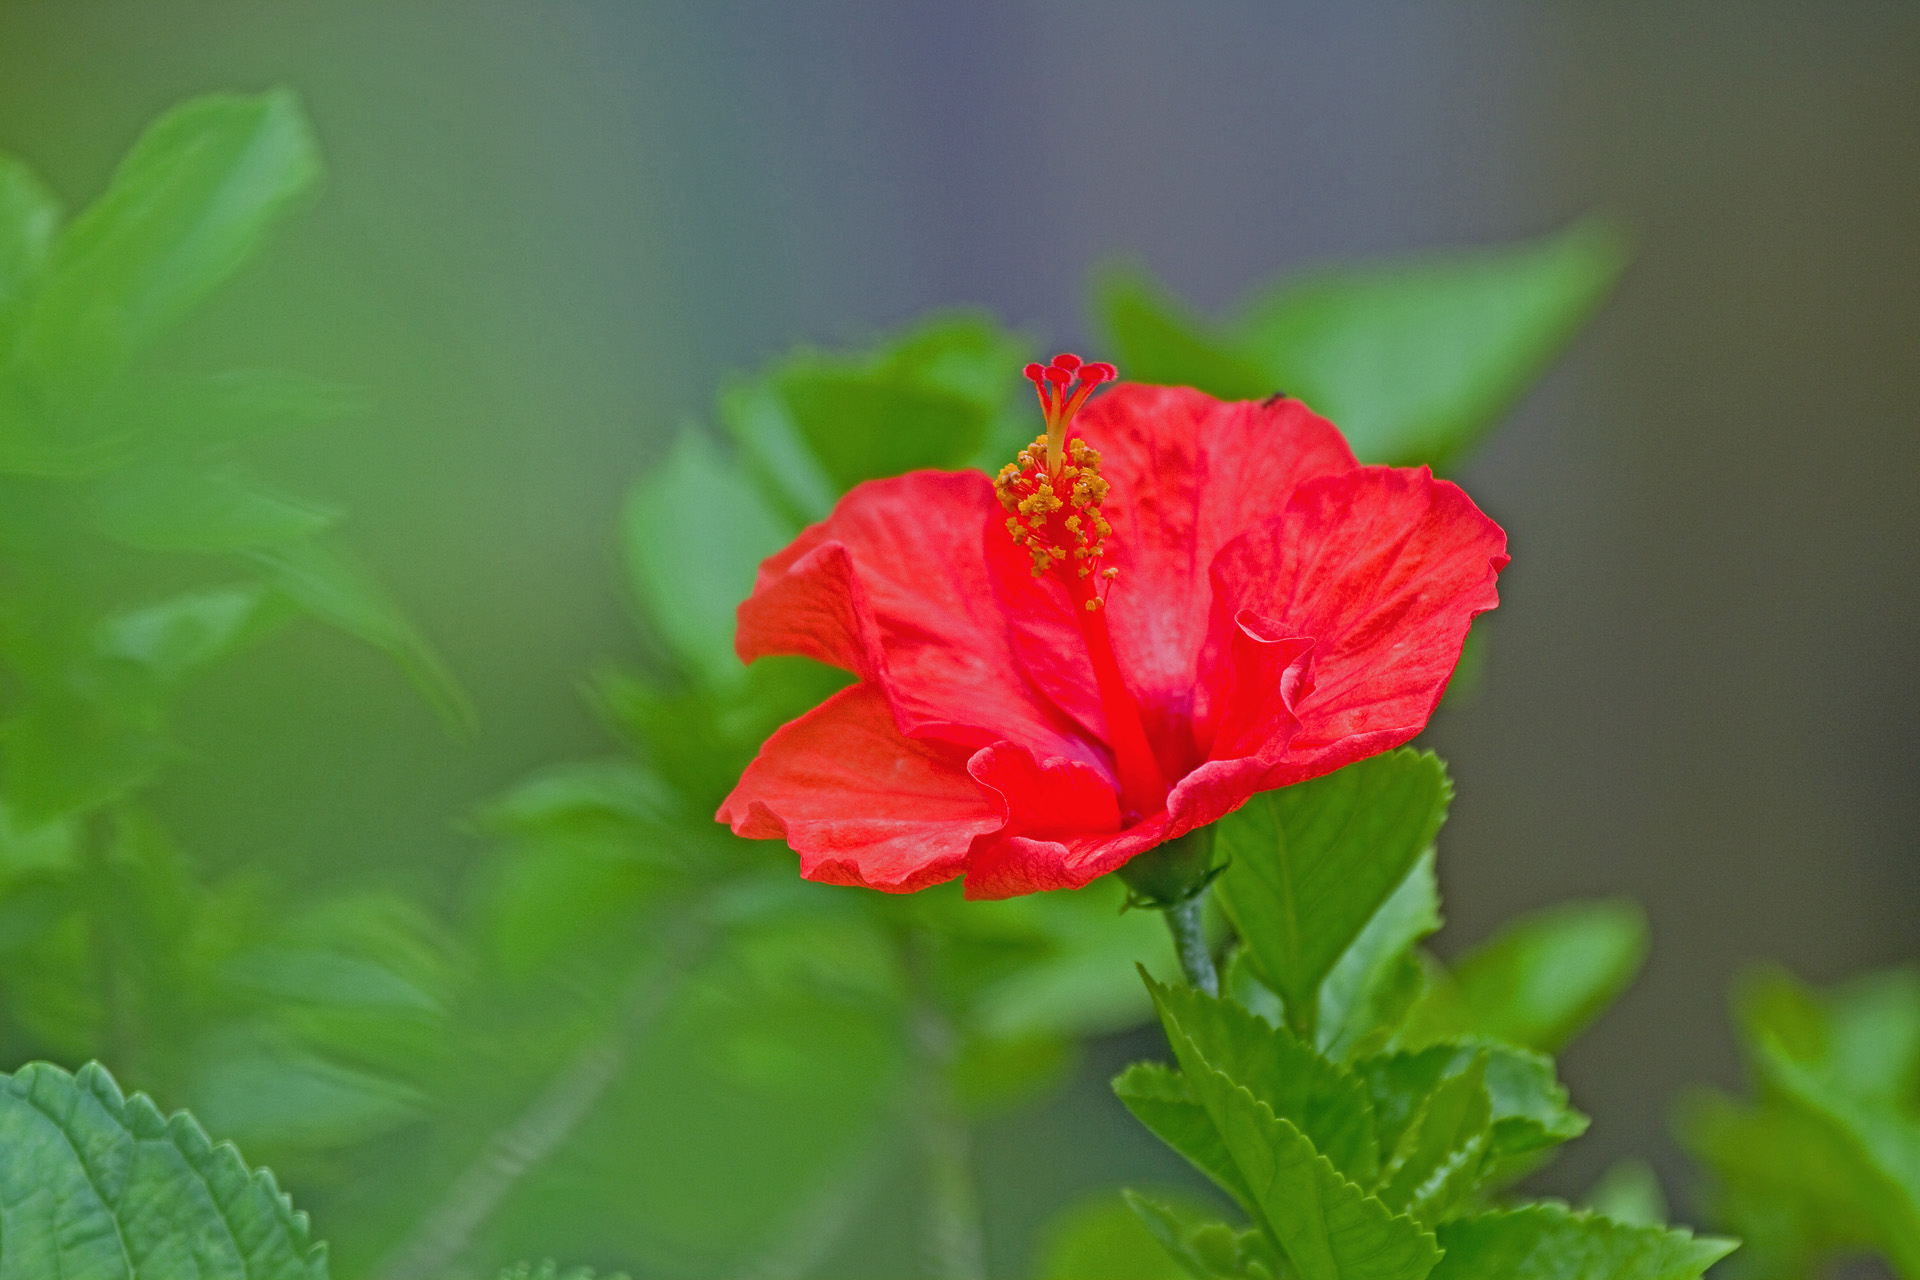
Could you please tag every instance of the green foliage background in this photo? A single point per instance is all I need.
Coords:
(336, 1007)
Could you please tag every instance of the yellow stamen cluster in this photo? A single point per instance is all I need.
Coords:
(1057, 516)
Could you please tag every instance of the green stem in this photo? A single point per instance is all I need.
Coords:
(1187, 922)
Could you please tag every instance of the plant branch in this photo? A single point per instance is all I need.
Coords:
(512, 1152)
(954, 1240)
(1187, 922)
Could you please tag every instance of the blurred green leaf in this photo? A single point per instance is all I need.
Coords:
(1827, 1159)
(180, 508)
(101, 1187)
(29, 219)
(1323, 1100)
(239, 404)
(1551, 1242)
(696, 531)
(177, 637)
(1070, 961)
(67, 753)
(550, 1270)
(1310, 865)
(926, 399)
(1156, 340)
(1541, 980)
(1413, 359)
(188, 205)
(339, 593)
(277, 1095)
(1195, 1245)
(1438, 1157)
(1629, 1191)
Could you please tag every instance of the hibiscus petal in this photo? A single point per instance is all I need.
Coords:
(894, 587)
(1384, 569)
(1189, 474)
(1009, 866)
(859, 801)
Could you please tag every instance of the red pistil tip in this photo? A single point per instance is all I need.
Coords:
(1066, 360)
(1056, 374)
(1035, 372)
(1098, 372)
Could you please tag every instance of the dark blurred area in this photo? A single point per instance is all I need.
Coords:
(549, 231)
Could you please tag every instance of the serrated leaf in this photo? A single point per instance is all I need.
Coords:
(1328, 1227)
(1416, 358)
(1310, 865)
(696, 531)
(1528, 1105)
(1196, 1244)
(336, 591)
(1325, 1101)
(96, 1186)
(1368, 992)
(1551, 1242)
(1159, 1098)
(187, 206)
(1438, 1157)
(1540, 980)
(182, 508)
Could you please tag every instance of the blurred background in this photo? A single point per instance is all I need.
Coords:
(548, 232)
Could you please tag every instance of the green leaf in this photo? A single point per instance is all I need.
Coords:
(191, 202)
(338, 592)
(1528, 1105)
(1159, 1098)
(100, 1187)
(66, 753)
(550, 1270)
(696, 531)
(1415, 359)
(177, 637)
(1325, 1101)
(180, 508)
(240, 404)
(1541, 980)
(29, 218)
(1310, 865)
(1629, 1192)
(1369, 991)
(1329, 1228)
(926, 399)
(1155, 340)
(1551, 1242)
(274, 1095)
(1105, 1237)
(1438, 1157)
(1196, 1244)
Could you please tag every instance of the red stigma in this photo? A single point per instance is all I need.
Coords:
(1063, 386)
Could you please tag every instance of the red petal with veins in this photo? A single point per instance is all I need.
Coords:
(859, 801)
(1189, 474)
(1386, 569)
(893, 587)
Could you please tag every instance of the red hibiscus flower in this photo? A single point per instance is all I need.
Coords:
(1167, 604)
